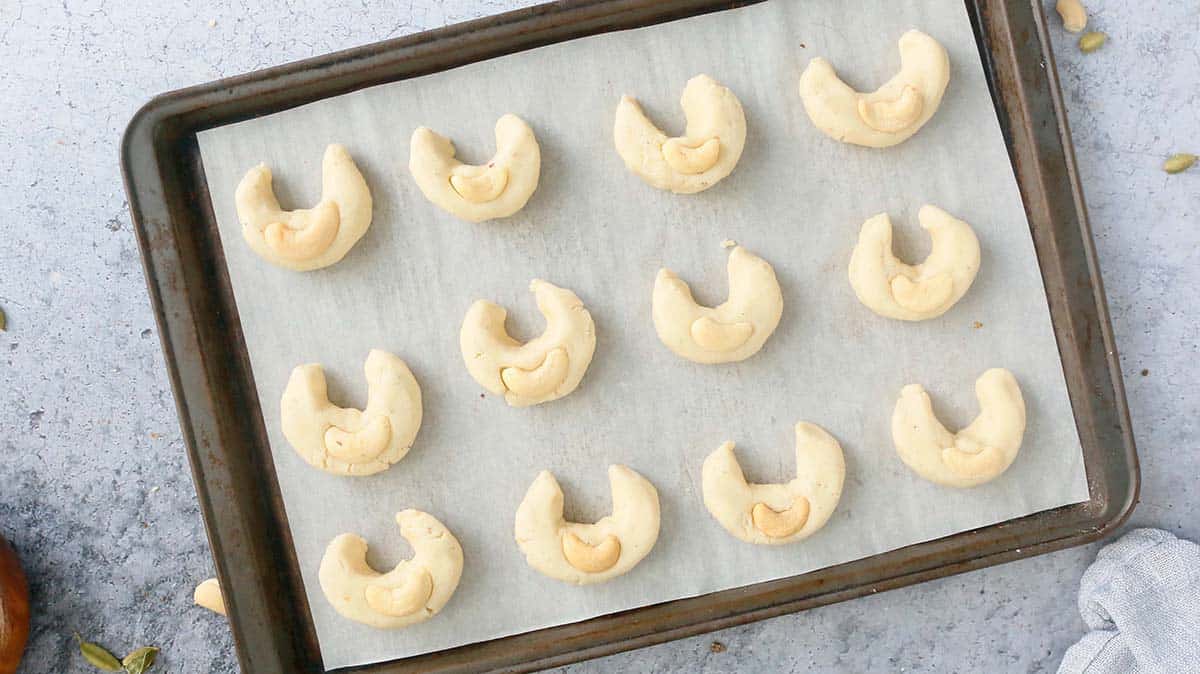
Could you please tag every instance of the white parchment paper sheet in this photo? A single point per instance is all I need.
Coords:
(797, 198)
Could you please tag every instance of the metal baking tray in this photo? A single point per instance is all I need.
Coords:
(222, 423)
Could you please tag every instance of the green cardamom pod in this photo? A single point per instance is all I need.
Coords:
(140, 660)
(1090, 42)
(97, 656)
(1179, 163)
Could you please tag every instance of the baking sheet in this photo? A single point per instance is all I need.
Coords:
(797, 198)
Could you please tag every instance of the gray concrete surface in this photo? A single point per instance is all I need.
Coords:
(94, 488)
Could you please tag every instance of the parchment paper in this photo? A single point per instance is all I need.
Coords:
(797, 198)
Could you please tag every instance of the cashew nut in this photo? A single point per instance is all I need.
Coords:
(706, 153)
(892, 113)
(303, 240)
(774, 514)
(545, 368)
(361, 446)
(976, 454)
(729, 332)
(780, 523)
(712, 335)
(894, 289)
(347, 441)
(1074, 15)
(591, 558)
(539, 381)
(313, 233)
(497, 189)
(208, 595)
(414, 591)
(564, 550)
(895, 115)
(407, 598)
(689, 158)
(479, 184)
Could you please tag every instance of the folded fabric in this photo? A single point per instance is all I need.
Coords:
(1141, 599)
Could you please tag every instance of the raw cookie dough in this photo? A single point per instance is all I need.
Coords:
(588, 553)
(303, 240)
(347, 441)
(892, 113)
(732, 331)
(773, 514)
(545, 368)
(477, 193)
(706, 153)
(894, 289)
(976, 454)
(412, 592)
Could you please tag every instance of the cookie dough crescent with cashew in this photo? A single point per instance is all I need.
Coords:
(347, 441)
(545, 368)
(978, 453)
(497, 189)
(414, 591)
(706, 153)
(729, 332)
(894, 289)
(892, 113)
(583, 554)
(773, 514)
(304, 240)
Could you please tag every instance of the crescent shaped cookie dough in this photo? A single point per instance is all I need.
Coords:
(892, 113)
(774, 514)
(346, 441)
(412, 592)
(545, 368)
(583, 554)
(477, 193)
(706, 153)
(732, 331)
(976, 454)
(304, 240)
(894, 289)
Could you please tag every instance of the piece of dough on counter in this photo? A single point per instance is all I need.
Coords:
(773, 514)
(414, 591)
(892, 113)
(978, 453)
(493, 190)
(894, 289)
(729, 332)
(706, 153)
(346, 441)
(545, 368)
(583, 554)
(304, 240)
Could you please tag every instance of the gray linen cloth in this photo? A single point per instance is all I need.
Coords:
(1141, 599)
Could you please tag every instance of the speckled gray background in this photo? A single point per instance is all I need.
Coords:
(94, 488)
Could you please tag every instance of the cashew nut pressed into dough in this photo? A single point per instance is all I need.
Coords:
(976, 454)
(729, 332)
(588, 553)
(349, 441)
(891, 114)
(707, 152)
(545, 368)
(496, 189)
(414, 591)
(894, 289)
(772, 514)
(304, 240)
